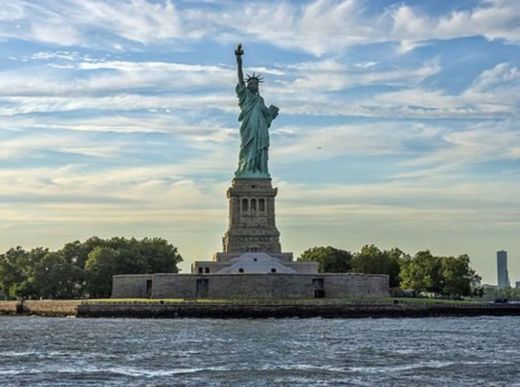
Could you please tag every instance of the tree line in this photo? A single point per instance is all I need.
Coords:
(85, 269)
(422, 273)
(82, 269)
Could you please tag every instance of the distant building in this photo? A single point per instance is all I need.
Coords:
(517, 284)
(503, 275)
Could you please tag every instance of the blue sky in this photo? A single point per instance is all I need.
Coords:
(398, 122)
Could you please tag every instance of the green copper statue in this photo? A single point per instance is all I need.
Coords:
(255, 120)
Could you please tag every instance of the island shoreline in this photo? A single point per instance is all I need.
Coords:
(251, 309)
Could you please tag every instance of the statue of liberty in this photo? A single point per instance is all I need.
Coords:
(255, 120)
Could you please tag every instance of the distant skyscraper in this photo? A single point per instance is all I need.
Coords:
(503, 275)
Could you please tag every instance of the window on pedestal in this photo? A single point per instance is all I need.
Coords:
(261, 205)
(253, 204)
(244, 205)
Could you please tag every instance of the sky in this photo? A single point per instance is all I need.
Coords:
(398, 124)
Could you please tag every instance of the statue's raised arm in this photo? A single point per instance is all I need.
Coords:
(238, 53)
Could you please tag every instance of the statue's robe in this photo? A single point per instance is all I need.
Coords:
(255, 120)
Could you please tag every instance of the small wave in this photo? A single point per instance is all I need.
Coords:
(32, 353)
(125, 371)
(18, 354)
(307, 367)
(404, 367)
(138, 372)
(10, 372)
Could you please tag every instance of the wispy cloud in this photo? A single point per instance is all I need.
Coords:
(301, 89)
(495, 19)
(315, 26)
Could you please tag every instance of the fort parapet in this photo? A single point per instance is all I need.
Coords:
(254, 286)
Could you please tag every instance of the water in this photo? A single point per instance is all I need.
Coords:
(430, 351)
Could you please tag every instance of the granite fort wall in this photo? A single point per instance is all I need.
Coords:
(131, 286)
(261, 286)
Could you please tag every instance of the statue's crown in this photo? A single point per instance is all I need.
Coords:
(254, 77)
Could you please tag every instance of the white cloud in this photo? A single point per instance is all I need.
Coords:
(495, 19)
(158, 194)
(495, 93)
(327, 142)
(48, 55)
(75, 22)
(477, 144)
(321, 27)
(118, 102)
(317, 26)
(365, 65)
(500, 74)
(136, 20)
(112, 76)
(25, 145)
(301, 89)
(330, 75)
(419, 150)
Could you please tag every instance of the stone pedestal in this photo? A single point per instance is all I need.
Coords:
(252, 225)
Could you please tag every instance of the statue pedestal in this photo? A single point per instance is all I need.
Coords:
(252, 225)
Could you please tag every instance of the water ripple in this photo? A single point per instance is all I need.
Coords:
(118, 352)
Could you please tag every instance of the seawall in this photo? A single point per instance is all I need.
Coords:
(50, 308)
(250, 309)
(10, 307)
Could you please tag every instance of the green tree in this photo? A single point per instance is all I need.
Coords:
(84, 268)
(149, 255)
(395, 257)
(161, 256)
(130, 259)
(77, 252)
(459, 278)
(422, 273)
(127, 256)
(447, 276)
(54, 276)
(371, 260)
(100, 266)
(330, 259)
(75, 255)
(27, 288)
(12, 271)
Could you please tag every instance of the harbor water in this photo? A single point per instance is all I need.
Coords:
(474, 351)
